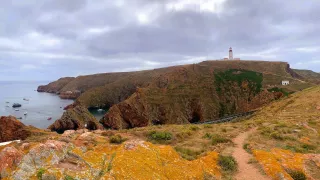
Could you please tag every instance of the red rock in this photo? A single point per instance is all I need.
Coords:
(76, 118)
(318, 107)
(25, 146)
(9, 157)
(12, 129)
(68, 133)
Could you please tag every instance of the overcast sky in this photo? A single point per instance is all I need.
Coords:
(48, 39)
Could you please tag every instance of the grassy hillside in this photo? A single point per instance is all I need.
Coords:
(309, 75)
(283, 143)
(122, 88)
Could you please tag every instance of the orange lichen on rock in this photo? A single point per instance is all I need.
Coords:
(278, 161)
(288, 159)
(271, 165)
(143, 160)
(305, 140)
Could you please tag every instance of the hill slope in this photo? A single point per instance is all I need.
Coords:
(309, 75)
(184, 94)
(283, 143)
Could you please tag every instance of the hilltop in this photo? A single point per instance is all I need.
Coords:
(281, 141)
(182, 94)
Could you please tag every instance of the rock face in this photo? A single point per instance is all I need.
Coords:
(9, 158)
(60, 160)
(75, 118)
(181, 94)
(12, 129)
(55, 86)
(189, 99)
(70, 94)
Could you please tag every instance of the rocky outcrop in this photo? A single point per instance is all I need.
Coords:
(10, 157)
(75, 118)
(59, 160)
(222, 94)
(12, 129)
(56, 86)
(70, 94)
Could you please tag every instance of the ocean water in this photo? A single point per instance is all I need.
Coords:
(39, 107)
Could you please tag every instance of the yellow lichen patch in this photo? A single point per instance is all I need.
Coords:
(148, 161)
(288, 159)
(270, 164)
(305, 140)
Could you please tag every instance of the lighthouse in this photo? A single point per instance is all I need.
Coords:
(230, 54)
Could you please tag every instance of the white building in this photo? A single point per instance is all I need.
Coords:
(231, 55)
(285, 82)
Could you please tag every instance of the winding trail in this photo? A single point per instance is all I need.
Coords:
(246, 171)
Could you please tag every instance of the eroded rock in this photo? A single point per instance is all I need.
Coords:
(75, 118)
(12, 129)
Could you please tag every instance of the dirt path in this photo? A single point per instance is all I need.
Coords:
(246, 171)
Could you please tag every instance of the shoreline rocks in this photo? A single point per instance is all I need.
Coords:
(75, 118)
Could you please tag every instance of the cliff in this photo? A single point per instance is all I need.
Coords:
(190, 97)
(183, 94)
(56, 86)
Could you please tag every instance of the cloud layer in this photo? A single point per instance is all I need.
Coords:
(44, 40)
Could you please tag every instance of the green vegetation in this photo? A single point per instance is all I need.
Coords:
(116, 139)
(188, 154)
(246, 147)
(194, 128)
(234, 75)
(227, 163)
(296, 175)
(160, 136)
(217, 139)
(276, 89)
(40, 172)
(67, 177)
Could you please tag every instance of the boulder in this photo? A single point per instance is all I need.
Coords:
(9, 158)
(75, 118)
(12, 129)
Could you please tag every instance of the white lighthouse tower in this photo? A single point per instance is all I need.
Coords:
(230, 54)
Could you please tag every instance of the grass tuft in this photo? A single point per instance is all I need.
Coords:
(117, 139)
(227, 163)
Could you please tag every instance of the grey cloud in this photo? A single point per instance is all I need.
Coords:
(82, 36)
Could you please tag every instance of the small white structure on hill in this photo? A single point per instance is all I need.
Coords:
(285, 82)
(231, 55)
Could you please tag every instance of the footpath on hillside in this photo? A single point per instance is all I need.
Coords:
(246, 171)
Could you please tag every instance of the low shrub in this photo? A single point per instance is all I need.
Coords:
(296, 175)
(246, 147)
(224, 130)
(227, 163)
(194, 128)
(308, 147)
(40, 173)
(217, 139)
(207, 126)
(107, 133)
(188, 154)
(116, 139)
(160, 136)
(184, 134)
(277, 136)
(207, 136)
(67, 177)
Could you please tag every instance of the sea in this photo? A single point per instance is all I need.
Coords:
(37, 108)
